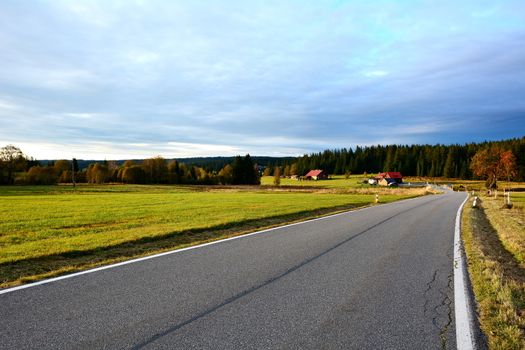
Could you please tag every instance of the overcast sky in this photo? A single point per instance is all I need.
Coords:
(124, 79)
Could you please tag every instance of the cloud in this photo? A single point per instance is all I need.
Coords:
(375, 73)
(142, 57)
(6, 105)
(259, 77)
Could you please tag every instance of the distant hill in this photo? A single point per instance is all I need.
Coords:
(208, 163)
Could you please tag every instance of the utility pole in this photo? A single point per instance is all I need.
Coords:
(73, 172)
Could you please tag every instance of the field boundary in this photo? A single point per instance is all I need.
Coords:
(157, 255)
(462, 306)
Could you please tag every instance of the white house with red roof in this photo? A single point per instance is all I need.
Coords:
(395, 175)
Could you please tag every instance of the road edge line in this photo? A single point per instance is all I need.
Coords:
(464, 316)
(131, 261)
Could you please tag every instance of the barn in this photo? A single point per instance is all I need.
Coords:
(316, 174)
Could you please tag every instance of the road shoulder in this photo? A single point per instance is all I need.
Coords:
(498, 283)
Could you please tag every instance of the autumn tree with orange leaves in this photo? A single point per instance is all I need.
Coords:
(494, 164)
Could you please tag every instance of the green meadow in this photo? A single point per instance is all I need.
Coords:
(48, 230)
(335, 181)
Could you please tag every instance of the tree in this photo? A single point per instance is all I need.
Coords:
(183, 172)
(493, 164)
(251, 172)
(156, 170)
(287, 170)
(293, 169)
(62, 170)
(74, 171)
(448, 170)
(38, 175)
(11, 160)
(97, 173)
(61, 165)
(173, 172)
(133, 174)
(508, 163)
(31, 162)
(277, 176)
(76, 168)
(389, 159)
(244, 171)
(226, 175)
(267, 171)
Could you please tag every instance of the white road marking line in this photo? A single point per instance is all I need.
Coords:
(463, 309)
(34, 284)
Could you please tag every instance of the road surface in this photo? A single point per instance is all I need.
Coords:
(378, 278)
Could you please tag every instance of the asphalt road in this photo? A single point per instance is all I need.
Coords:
(378, 278)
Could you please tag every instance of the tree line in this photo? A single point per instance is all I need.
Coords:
(451, 161)
(16, 168)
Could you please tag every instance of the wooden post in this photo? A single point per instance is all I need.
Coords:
(377, 198)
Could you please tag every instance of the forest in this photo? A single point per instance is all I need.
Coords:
(450, 161)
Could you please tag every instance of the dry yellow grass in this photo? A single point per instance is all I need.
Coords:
(510, 225)
(498, 279)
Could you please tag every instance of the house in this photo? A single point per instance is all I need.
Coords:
(388, 182)
(390, 175)
(316, 174)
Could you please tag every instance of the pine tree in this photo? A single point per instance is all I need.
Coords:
(448, 170)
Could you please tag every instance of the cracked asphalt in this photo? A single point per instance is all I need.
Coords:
(379, 278)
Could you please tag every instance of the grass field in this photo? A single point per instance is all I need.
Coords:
(518, 198)
(43, 229)
(336, 181)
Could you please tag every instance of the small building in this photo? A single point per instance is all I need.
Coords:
(388, 182)
(316, 174)
(396, 175)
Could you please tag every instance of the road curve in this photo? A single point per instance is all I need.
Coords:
(378, 278)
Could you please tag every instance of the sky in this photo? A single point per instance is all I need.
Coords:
(135, 79)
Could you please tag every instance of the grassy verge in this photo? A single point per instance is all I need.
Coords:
(497, 277)
(48, 231)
